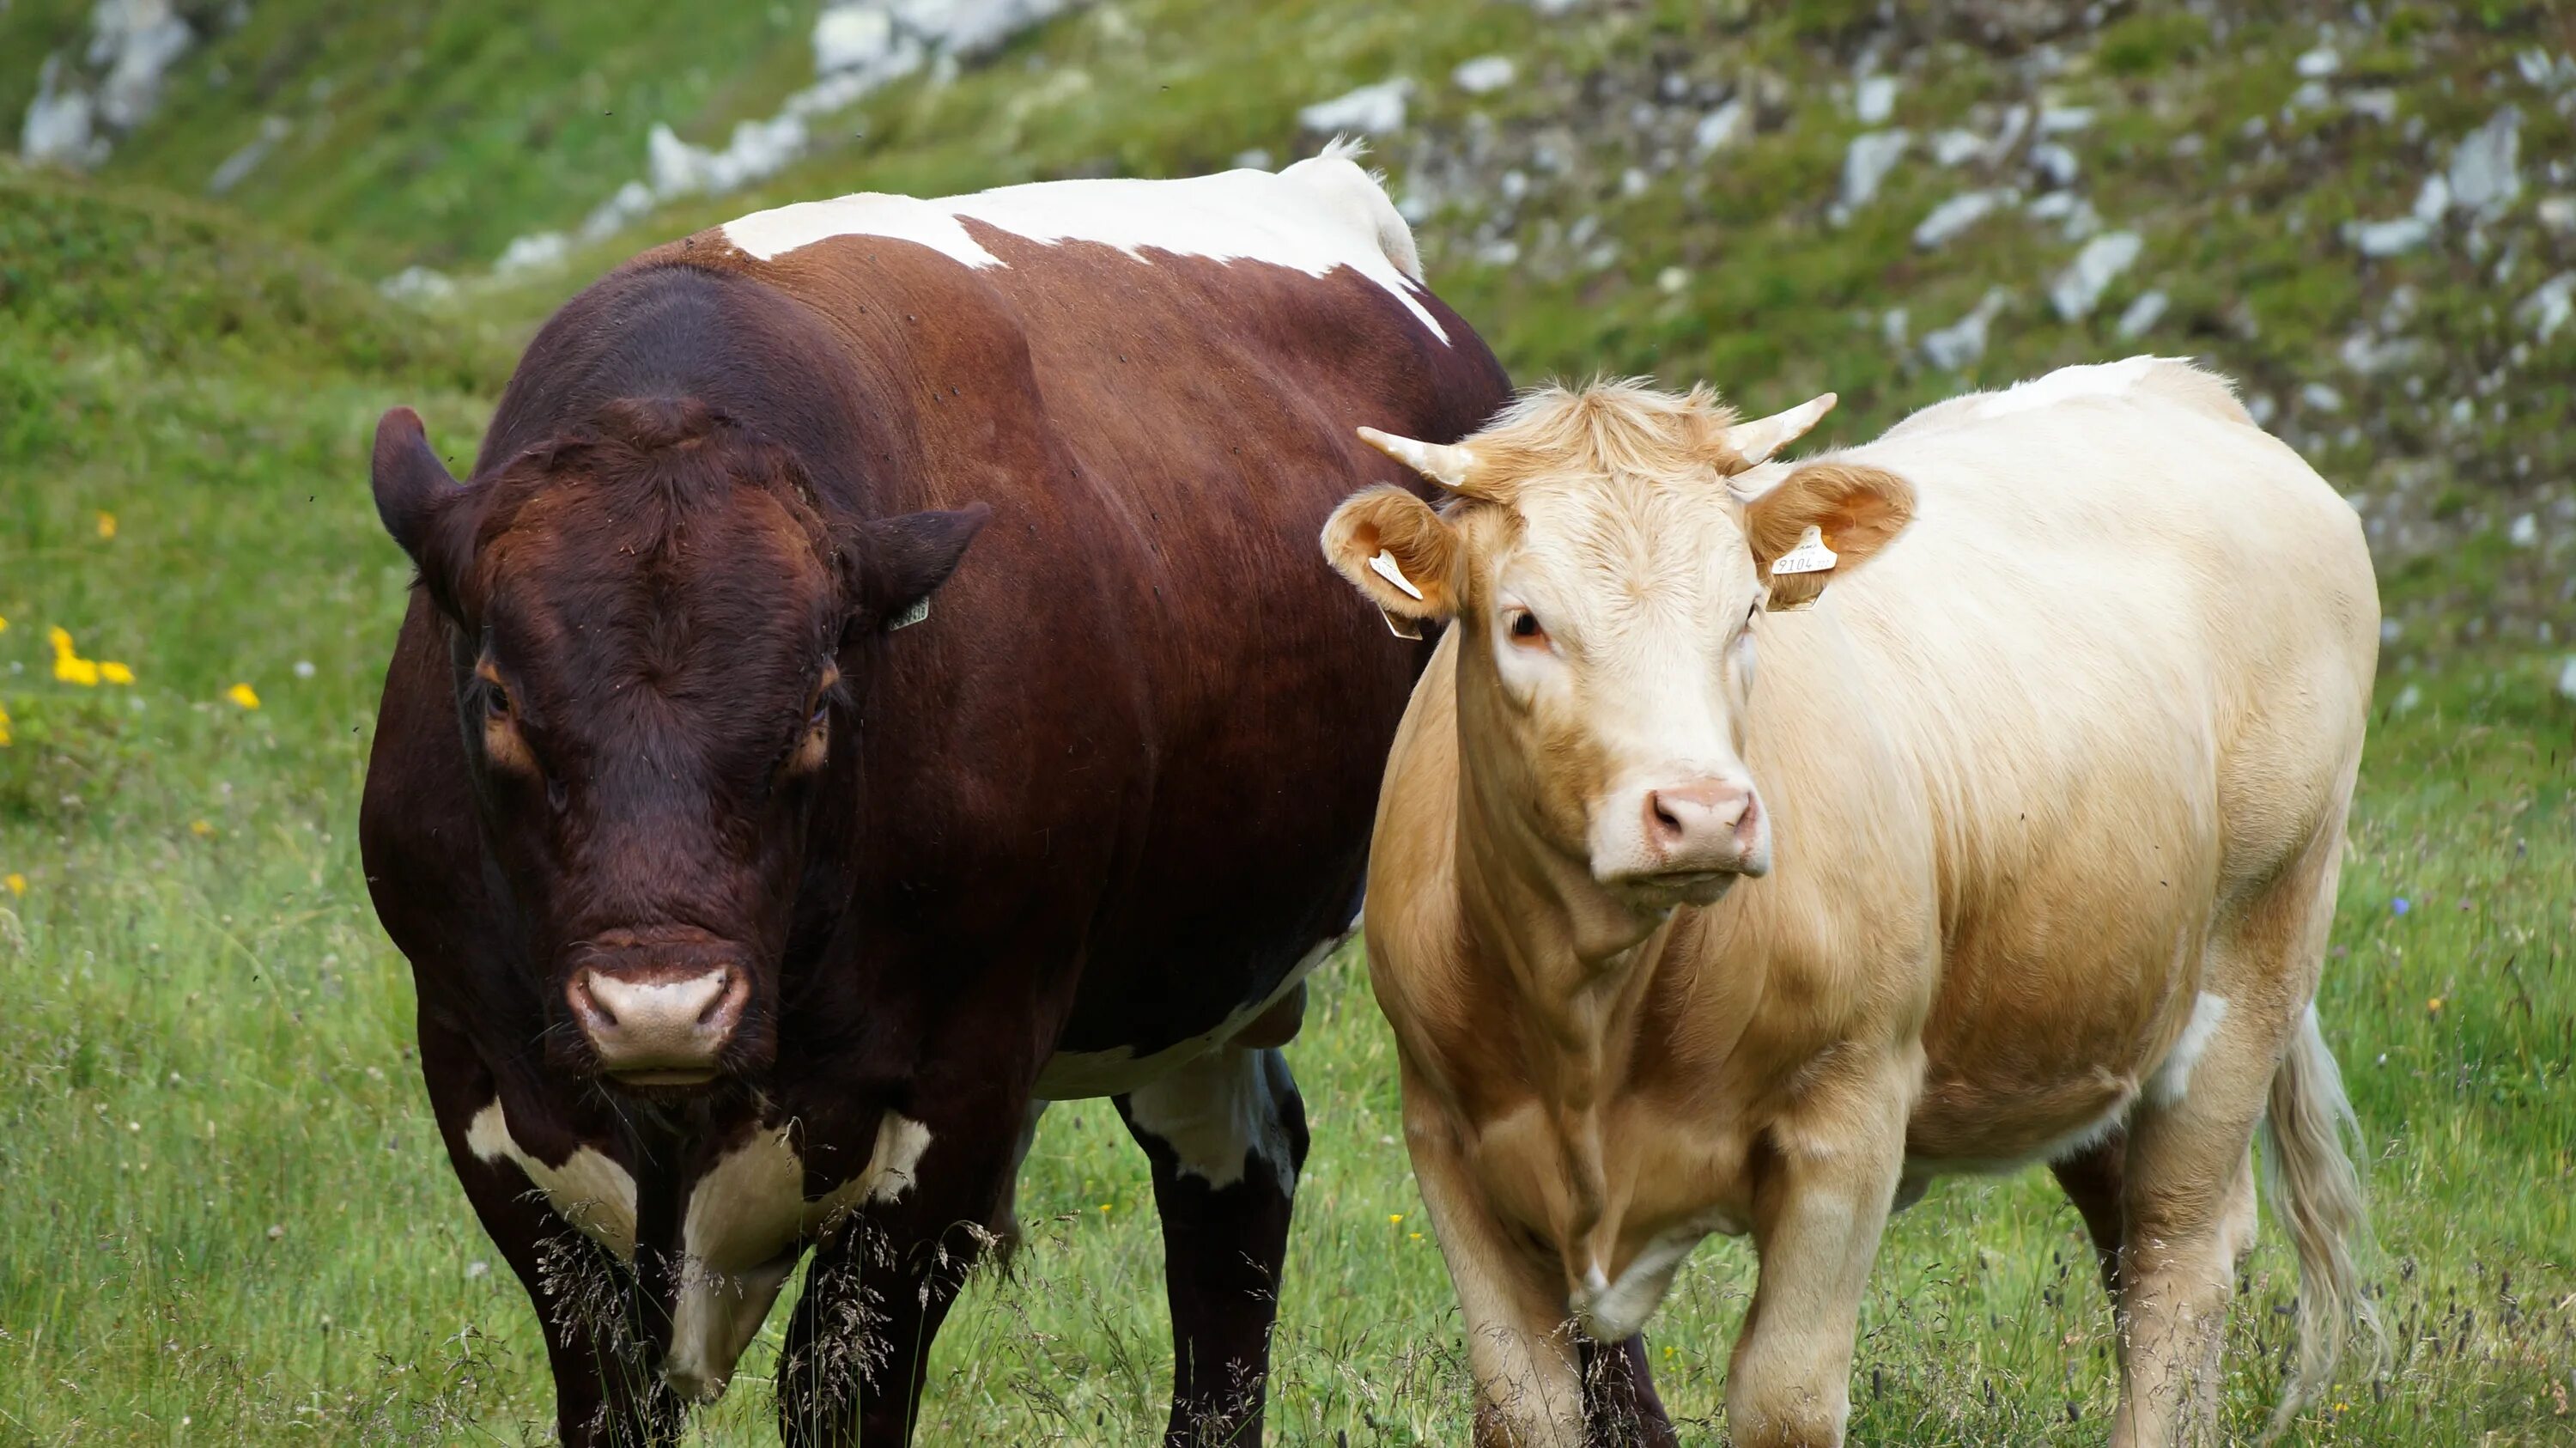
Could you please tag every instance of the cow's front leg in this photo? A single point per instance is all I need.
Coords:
(858, 1342)
(1227, 1136)
(1824, 1177)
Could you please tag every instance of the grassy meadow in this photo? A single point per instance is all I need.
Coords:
(224, 1214)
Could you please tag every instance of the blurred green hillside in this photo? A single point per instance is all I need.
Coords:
(223, 1212)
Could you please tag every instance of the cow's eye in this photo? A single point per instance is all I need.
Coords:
(1524, 626)
(496, 702)
(821, 711)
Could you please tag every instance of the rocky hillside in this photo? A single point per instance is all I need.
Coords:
(2366, 212)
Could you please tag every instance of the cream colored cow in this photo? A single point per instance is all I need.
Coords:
(2020, 845)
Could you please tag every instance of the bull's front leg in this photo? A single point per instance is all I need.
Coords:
(597, 1327)
(1824, 1177)
(858, 1342)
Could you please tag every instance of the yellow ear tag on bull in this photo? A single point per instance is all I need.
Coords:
(910, 616)
(1810, 556)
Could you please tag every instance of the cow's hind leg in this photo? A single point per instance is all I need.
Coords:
(1227, 1136)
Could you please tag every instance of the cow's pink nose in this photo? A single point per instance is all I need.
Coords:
(657, 1028)
(1704, 824)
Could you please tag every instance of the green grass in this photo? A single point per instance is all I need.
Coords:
(206, 1035)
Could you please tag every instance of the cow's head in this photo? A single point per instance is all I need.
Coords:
(655, 632)
(1606, 555)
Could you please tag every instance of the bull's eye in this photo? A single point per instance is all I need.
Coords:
(822, 711)
(496, 703)
(1524, 627)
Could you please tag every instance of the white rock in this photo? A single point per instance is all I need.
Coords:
(2558, 213)
(1954, 216)
(137, 40)
(1553, 7)
(1484, 75)
(1371, 110)
(1721, 128)
(417, 284)
(2567, 677)
(2432, 199)
(2142, 314)
(2547, 309)
(241, 163)
(964, 29)
(2321, 397)
(1896, 324)
(2055, 162)
(2484, 175)
(2388, 238)
(2320, 62)
(849, 36)
(535, 252)
(2408, 699)
(1671, 280)
(631, 203)
(2079, 288)
(1874, 99)
(1633, 182)
(1955, 347)
(2369, 356)
(2525, 532)
(2059, 120)
(1872, 155)
(58, 130)
(2379, 105)
(1955, 147)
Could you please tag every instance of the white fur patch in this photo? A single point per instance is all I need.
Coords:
(2172, 1079)
(1314, 217)
(1217, 1113)
(1081, 1075)
(590, 1191)
(745, 1217)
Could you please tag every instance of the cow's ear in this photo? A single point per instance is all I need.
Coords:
(1404, 557)
(415, 496)
(892, 564)
(411, 483)
(1853, 511)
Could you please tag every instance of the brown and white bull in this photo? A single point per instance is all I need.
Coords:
(2017, 844)
(766, 858)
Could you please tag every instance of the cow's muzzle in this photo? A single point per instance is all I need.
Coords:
(658, 1013)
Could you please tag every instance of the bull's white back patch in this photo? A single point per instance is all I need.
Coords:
(1315, 217)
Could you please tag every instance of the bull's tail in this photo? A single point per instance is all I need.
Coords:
(2317, 1192)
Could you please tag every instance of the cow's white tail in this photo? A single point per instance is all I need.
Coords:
(2317, 1192)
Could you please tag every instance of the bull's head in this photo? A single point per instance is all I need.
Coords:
(655, 634)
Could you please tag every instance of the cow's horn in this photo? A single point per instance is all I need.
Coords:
(1757, 440)
(1447, 464)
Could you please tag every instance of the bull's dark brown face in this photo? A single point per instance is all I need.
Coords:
(653, 633)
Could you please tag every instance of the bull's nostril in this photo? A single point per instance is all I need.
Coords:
(1666, 822)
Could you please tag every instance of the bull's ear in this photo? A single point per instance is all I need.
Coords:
(1852, 510)
(892, 564)
(1397, 552)
(410, 482)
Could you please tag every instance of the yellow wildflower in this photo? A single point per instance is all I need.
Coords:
(4, 728)
(4, 625)
(16, 882)
(200, 828)
(243, 695)
(69, 666)
(106, 525)
(112, 672)
(2434, 1005)
(1394, 1217)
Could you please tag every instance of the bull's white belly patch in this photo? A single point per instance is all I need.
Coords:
(2172, 1079)
(588, 1190)
(1314, 217)
(1081, 1075)
(1218, 1113)
(1613, 1309)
